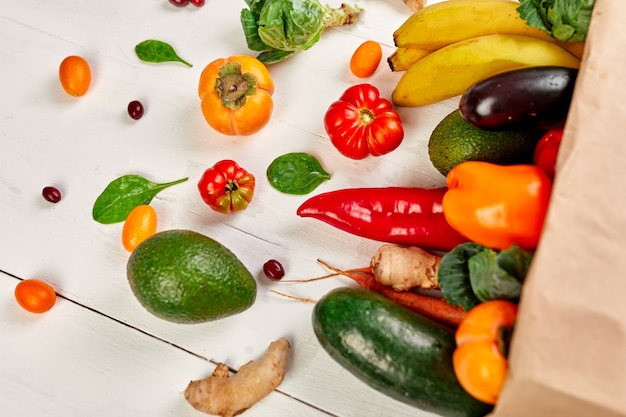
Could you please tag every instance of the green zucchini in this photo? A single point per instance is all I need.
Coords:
(395, 351)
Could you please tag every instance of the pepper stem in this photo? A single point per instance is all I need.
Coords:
(343, 15)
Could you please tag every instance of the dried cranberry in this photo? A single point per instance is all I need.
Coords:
(273, 270)
(135, 109)
(179, 3)
(51, 194)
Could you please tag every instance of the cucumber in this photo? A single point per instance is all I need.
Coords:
(397, 352)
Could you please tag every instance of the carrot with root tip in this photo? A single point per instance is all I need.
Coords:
(403, 268)
(226, 396)
(434, 308)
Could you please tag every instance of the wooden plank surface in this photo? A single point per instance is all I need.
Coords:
(98, 352)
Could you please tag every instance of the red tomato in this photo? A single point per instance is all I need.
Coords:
(547, 150)
(361, 123)
(226, 187)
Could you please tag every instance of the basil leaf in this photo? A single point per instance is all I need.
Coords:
(123, 194)
(296, 173)
(158, 51)
(489, 280)
(454, 275)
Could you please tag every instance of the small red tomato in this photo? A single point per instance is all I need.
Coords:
(226, 187)
(547, 151)
(35, 296)
(362, 123)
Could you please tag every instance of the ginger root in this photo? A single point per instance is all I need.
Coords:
(415, 5)
(404, 268)
(226, 396)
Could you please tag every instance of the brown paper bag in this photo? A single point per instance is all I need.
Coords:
(568, 354)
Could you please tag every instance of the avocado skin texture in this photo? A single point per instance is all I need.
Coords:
(454, 140)
(186, 277)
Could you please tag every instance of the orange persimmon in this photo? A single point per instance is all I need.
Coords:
(35, 296)
(236, 95)
(480, 358)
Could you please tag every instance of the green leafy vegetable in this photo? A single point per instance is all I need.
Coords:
(564, 20)
(123, 194)
(471, 273)
(499, 275)
(158, 51)
(282, 28)
(296, 173)
(453, 275)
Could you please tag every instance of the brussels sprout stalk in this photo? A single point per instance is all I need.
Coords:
(279, 29)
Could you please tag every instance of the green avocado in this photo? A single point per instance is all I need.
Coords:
(185, 277)
(454, 140)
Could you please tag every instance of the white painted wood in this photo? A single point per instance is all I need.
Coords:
(92, 353)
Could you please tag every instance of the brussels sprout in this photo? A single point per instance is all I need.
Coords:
(282, 28)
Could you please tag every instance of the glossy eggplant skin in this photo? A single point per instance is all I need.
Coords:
(525, 98)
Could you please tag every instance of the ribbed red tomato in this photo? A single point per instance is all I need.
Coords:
(362, 123)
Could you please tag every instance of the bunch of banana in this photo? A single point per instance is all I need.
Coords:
(448, 46)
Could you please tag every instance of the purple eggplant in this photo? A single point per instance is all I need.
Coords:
(525, 98)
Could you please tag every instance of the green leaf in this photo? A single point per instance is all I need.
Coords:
(123, 194)
(157, 51)
(296, 173)
(250, 30)
(489, 281)
(272, 56)
(564, 20)
(515, 261)
(454, 275)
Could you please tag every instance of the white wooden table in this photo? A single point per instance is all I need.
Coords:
(98, 352)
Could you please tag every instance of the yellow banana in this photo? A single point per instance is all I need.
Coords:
(441, 24)
(451, 70)
(403, 57)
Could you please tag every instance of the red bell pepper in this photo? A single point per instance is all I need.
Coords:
(547, 150)
(362, 123)
(226, 187)
(403, 215)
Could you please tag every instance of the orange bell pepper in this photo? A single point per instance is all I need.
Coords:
(480, 359)
(496, 205)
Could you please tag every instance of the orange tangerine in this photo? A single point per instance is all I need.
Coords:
(366, 59)
(75, 75)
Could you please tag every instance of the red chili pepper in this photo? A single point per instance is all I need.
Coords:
(401, 215)
(226, 187)
(547, 150)
(361, 123)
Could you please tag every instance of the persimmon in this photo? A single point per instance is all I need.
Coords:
(480, 358)
(236, 95)
(366, 59)
(140, 224)
(75, 75)
(35, 296)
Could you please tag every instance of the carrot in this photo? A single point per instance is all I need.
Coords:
(365, 59)
(434, 308)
